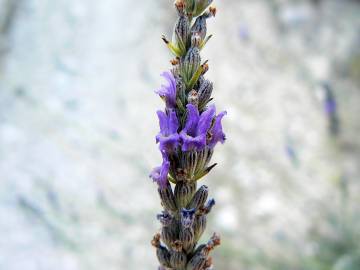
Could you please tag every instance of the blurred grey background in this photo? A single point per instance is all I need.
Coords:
(77, 127)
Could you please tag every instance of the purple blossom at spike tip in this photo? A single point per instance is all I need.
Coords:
(160, 174)
(168, 138)
(193, 136)
(168, 92)
(216, 133)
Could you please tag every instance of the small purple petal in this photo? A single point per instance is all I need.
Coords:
(217, 134)
(193, 136)
(206, 119)
(163, 122)
(173, 122)
(168, 92)
(192, 119)
(168, 136)
(168, 143)
(160, 174)
(191, 143)
(170, 78)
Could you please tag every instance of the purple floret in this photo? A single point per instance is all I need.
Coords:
(168, 92)
(216, 133)
(160, 174)
(168, 136)
(193, 136)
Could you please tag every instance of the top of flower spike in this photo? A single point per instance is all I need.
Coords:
(192, 7)
(187, 123)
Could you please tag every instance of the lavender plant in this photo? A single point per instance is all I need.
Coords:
(189, 132)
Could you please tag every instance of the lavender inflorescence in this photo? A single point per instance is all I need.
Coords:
(189, 131)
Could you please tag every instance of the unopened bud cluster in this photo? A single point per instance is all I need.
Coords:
(189, 132)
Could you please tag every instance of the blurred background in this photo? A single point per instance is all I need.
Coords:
(77, 127)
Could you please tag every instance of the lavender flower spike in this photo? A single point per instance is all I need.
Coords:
(168, 92)
(189, 131)
(168, 136)
(193, 136)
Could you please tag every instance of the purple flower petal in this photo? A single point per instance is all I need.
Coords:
(193, 136)
(168, 143)
(216, 133)
(192, 143)
(168, 136)
(173, 122)
(192, 119)
(206, 119)
(168, 92)
(163, 122)
(160, 174)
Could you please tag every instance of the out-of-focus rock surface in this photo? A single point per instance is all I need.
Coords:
(77, 126)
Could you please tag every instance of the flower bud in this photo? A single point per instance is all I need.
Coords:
(199, 249)
(167, 198)
(187, 217)
(189, 161)
(161, 252)
(197, 262)
(208, 206)
(178, 258)
(182, 30)
(183, 193)
(199, 27)
(163, 256)
(180, 85)
(192, 62)
(187, 238)
(193, 98)
(199, 198)
(169, 234)
(205, 91)
(200, 81)
(180, 88)
(195, 162)
(199, 226)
